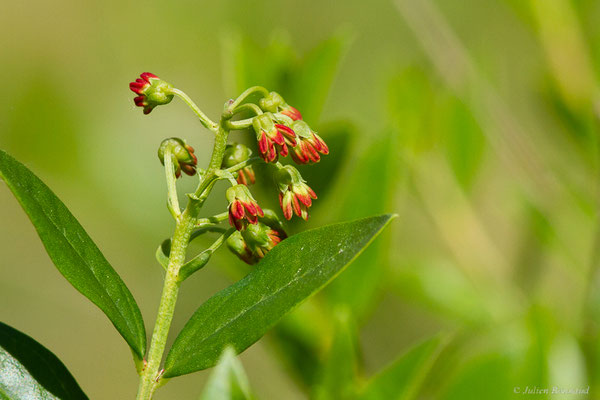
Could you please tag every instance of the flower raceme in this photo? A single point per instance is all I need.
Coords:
(273, 138)
(295, 196)
(151, 91)
(243, 209)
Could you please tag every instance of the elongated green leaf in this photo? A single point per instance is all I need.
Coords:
(74, 253)
(228, 381)
(294, 270)
(402, 379)
(28, 370)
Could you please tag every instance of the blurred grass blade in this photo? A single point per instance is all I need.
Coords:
(403, 378)
(242, 313)
(228, 380)
(28, 370)
(312, 82)
(377, 171)
(74, 253)
(339, 375)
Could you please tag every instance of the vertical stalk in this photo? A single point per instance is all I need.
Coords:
(166, 308)
(183, 230)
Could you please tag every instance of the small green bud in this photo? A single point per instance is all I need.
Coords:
(152, 91)
(182, 155)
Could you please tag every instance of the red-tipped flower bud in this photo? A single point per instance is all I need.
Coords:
(237, 153)
(308, 144)
(254, 242)
(273, 102)
(273, 138)
(243, 209)
(182, 155)
(295, 196)
(152, 91)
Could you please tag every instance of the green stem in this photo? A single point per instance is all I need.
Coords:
(243, 164)
(207, 122)
(151, 374)
(172, 201)
(247, 93)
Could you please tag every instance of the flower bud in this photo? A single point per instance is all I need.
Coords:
(308, 144)
(243, 209)
(273, 138)
(295, 196)
(152, 91)
(273, 102)
(237, 245)
(254, 242)
(237, 153)
(182, 155)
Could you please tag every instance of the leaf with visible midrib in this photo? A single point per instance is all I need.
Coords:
(290, 273)
(74, 253)
(27, 368)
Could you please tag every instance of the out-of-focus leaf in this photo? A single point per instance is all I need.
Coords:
(485, 377)
(300, 345)
(248, 64)
(456, 298)
(402, 379)
(339, 374)
(228, 380)
(410, 101)
(290, 273)
(464, 141)
(376, 173)
(74, 253)
(312, 80)
(29, 371)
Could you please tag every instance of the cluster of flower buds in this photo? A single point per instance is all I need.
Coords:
(281, 131)
(295, 196)
(254, 242)
(309, 144)
(243, 209)
(235, 154)
(152, 91)
(182, 155)
(273, 138)
(274, 103)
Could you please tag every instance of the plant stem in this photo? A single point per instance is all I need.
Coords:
(203, 118)
(149, 379)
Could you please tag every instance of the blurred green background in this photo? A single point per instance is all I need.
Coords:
(475, 121)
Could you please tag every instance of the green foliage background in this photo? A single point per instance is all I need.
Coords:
(476, 122)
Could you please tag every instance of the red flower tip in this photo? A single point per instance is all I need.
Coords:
(291, 112)
(243, 209)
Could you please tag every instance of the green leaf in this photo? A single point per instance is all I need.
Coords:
(228, 381)
(403, 378)
(28, 370)
(290, 273)
(74, 253)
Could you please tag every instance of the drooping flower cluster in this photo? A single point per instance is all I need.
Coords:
(295, 196)
(243, 209)
(279, 130)
(182, 155)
